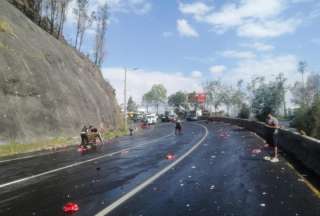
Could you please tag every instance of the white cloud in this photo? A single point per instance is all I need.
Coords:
(196, 74)
(197, 9)
(258, 46)
(269, 67)
(251, 18)
(217, 69)
(238, 54)
(273, 28)
(167, 34)
(202, 60)
(140, 6)
(232, 14)
(141, 81)
(185, 29)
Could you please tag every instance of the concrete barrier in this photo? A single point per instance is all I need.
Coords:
(304, 149)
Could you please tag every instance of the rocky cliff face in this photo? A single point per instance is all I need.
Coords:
(46, 87)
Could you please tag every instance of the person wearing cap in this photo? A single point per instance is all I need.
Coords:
(274, 123)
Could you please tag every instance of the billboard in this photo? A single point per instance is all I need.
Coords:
(201, 98)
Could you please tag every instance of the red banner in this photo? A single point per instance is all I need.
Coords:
(201, 97)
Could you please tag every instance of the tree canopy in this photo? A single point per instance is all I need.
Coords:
(177, 99)
(267, 98)
(156, 95)
(131, 106)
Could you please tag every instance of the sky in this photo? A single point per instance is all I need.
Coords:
(184, 43)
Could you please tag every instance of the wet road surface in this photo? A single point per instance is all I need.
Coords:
(222, 176)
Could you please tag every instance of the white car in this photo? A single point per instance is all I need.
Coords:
(151, 118)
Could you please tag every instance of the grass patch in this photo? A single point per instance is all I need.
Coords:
(114, 133)
(13, 147)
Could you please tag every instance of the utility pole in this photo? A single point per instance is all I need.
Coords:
(125, 99)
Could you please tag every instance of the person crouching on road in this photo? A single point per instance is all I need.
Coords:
(178, 127)
(93, 136)
(274, 123)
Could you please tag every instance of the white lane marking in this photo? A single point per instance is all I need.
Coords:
(30, 156)
(143, 185)
(78, 163)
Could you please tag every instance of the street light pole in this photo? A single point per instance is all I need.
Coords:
(125, 97)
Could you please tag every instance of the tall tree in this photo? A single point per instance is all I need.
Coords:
(178, 99)
(53, 13)
(86, 24)
(81, 11)
(147, 99)
(132, 106)
(155, 96)
(37, 11)
(302, 65)
(215, 93)
(304, 95)
(281, 81)
(267, 99)
(63, 5)
(101, 31)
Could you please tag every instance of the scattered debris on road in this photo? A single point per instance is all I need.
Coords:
(70, 208)
(170, 156)
(256, 151)
(262, 204)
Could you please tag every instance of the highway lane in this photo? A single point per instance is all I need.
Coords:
(222, 176)
(31, 164)
(96, 184)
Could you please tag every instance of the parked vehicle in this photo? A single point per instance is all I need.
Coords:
(192, 116)
(165, 118)
(172, 117)
(151, 118)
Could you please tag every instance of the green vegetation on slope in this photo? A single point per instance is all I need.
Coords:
(13, 147)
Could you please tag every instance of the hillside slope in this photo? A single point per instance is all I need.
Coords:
(46, 87)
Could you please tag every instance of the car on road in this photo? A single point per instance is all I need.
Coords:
(151, 118)
(172, 117)
(192, 116)
(165, 118)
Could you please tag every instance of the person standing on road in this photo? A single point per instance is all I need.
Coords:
(274, 123)
(178, 128)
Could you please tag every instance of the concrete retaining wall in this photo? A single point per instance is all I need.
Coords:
(303, 148)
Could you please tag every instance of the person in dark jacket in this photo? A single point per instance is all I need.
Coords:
(84, 136)
(178, 128)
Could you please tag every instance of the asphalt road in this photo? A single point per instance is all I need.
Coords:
(214, 172)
